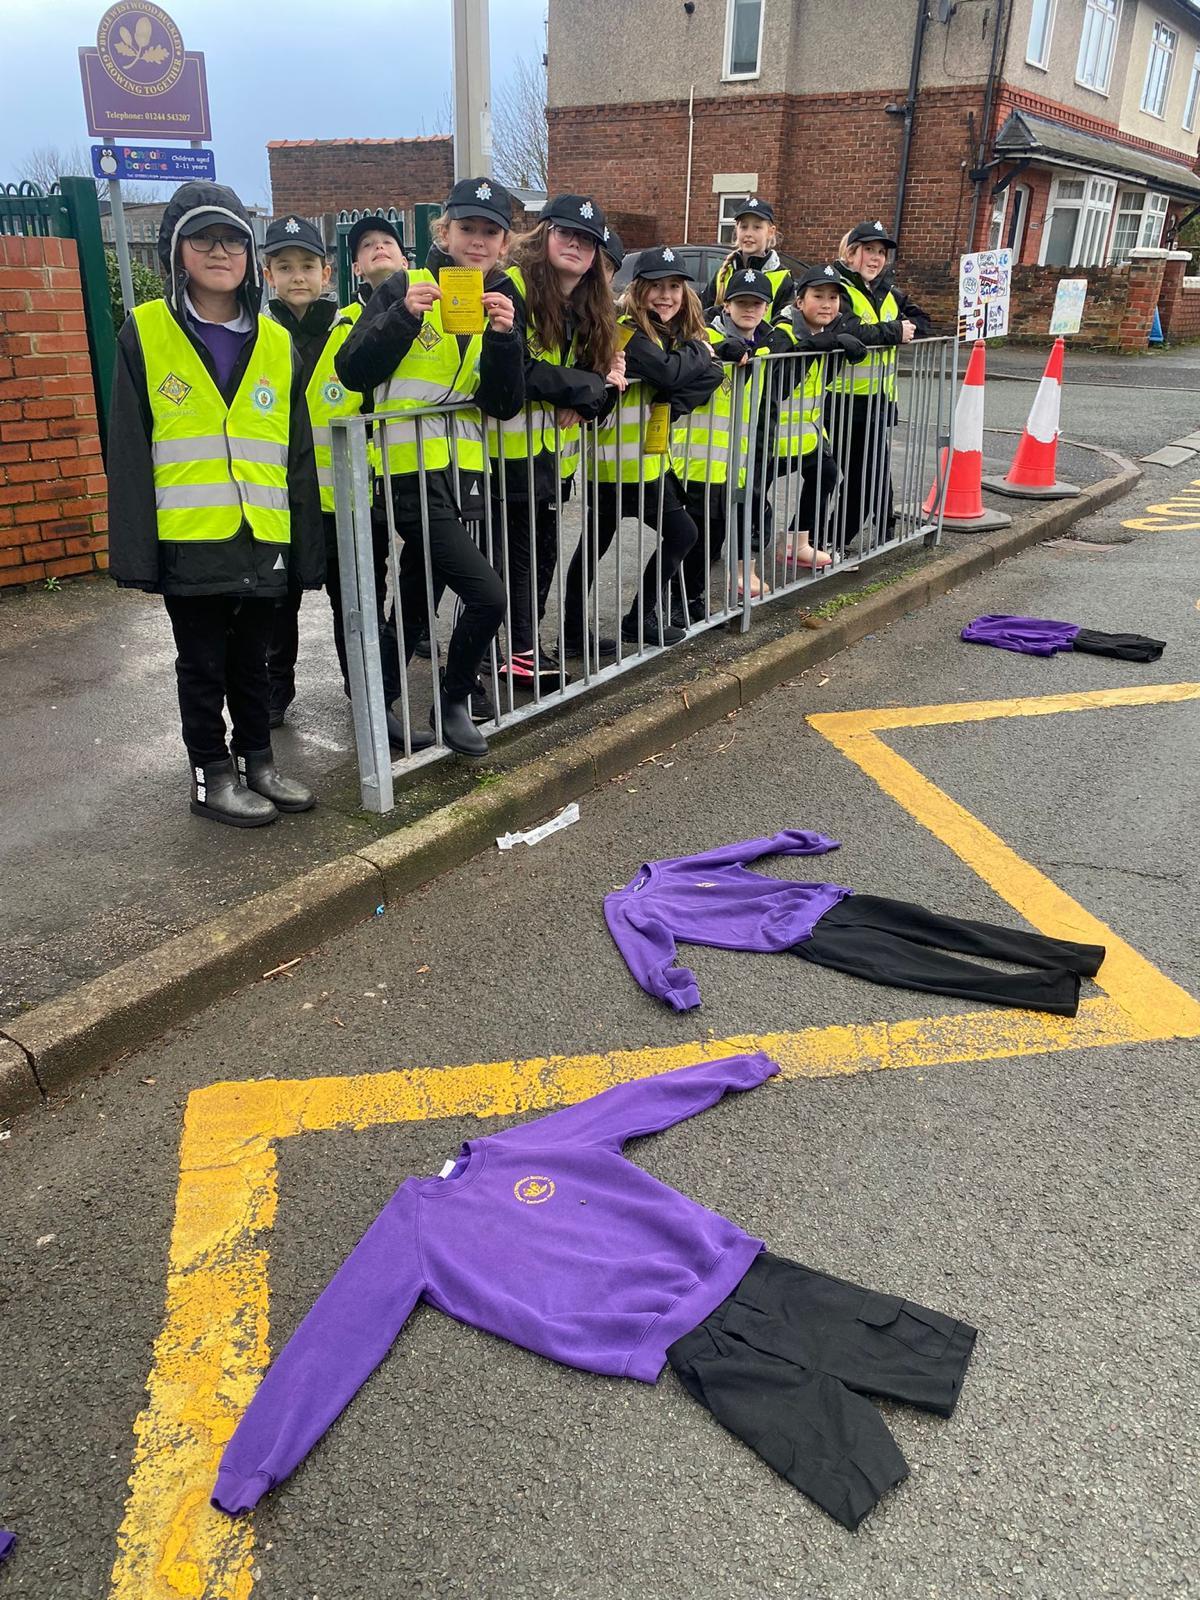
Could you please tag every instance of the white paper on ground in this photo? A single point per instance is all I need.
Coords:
(564, 819)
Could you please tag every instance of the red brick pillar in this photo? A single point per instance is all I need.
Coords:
(53, 493)
(1145, 285)
(1171, 293)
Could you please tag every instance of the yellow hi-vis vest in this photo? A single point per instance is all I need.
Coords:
(701, 446)
(774, 278)
(432, 373)
(217, 465)
(620, 438)
(878, 371)
(800, 402)
(328, 397)
(533, 431)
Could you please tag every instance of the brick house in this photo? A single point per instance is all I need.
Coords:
(1066, 129)
(312, 176)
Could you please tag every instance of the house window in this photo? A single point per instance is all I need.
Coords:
(1097, 43)
(1158, 69)
(1153, 217)
(1041, 26)
(727, 209)
(1077, 222)
(743, 38)
(1139, 224)
(996, 226)
(1189, 110)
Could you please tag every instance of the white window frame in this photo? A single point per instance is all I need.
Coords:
(997, 220)
(1040, 56)
(727, 218)
(1093, 217)
(1013, 237)
(1155, 211)
(1101, 21)
(728, 75)
(1159, 64)
(1119, 249)
(1193, 96)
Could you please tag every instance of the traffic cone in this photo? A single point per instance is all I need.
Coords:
(1031, 475)
(962, 496)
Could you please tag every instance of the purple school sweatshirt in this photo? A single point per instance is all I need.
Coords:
(543, 1234)
(1031, 636)
(714, 899)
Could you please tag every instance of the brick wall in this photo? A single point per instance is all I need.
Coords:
(312, 176)
(1179, 304)
(53, 495)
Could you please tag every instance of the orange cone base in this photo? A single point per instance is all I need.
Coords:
(1030, 491)
(984, 523)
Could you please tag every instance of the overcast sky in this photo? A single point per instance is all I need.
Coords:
(292, 69)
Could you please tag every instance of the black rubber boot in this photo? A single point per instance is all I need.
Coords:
(259, 774)
(459, 730)
(218, 795)
(418, 738)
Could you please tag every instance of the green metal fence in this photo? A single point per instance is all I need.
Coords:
(71, 211)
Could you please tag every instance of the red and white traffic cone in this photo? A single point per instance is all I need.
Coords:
(1031, 475)
(963, 485)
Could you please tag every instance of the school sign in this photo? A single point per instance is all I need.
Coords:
(139, 81)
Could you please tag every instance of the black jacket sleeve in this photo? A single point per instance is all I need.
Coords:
(566, 388)
(731, 348)
(890, 332)
(306, 558)
(380, 339)
(132, 513)
(666, 371)
(910, 310)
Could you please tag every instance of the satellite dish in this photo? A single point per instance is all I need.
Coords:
(946, 9)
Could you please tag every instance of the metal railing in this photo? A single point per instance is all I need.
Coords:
(813, 470)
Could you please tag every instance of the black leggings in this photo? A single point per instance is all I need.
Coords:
(663, 495)
(457, 564)
(903, 946)
(532, 537)
(785, 1363)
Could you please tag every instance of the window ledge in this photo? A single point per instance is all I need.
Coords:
(1092, 89)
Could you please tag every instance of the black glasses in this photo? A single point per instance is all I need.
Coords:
(233, 244)
(585, 241)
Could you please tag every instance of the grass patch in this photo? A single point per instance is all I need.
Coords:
(852, 597)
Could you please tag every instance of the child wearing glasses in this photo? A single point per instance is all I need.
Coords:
(212, 492)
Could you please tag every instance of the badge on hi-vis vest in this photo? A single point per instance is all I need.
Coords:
(174, 389)
(332, 392)
(264, 395)
(428, 336)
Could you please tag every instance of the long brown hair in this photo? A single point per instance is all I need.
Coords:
(590, 302)
(687, 323)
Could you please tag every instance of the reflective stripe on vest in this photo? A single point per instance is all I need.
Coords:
(432, 373)
(217, 465)
(328, 397)
(620, 457)
(700, 442)
(878, 371)
(534, 429)
(801, 397)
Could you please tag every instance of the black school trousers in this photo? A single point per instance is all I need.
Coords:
(861, 437)
(285, 637)
(904, 946)
(526, 560)
(456, 563)
(221, 643)
(785, 1362)
(662, 505)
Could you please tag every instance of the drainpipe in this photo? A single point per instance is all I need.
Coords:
(687, 193)
(909, 110)
(1003, 22)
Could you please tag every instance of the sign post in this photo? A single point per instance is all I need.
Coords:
(140, 81)
(472, 90)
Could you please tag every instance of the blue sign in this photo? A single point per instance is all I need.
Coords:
(152, 163)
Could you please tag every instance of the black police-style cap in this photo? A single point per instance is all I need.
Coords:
(612, 247)
(752, 206)
(299, 231)
(661, 263)
(823, 272)
(578, 211)
(749, 282)
(873, 233)
(371, 225)
(480, 197)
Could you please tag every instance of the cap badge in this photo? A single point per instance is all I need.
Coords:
(606, 235)
(668, 255)
(751, 276)
(484, 192)
(831, 272)
(587, 210)
(291, 226)
(879, 227)
(752, 203)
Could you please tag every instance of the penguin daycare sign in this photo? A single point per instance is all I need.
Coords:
(138, 80)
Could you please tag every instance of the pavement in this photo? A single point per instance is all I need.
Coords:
(1035, 1177)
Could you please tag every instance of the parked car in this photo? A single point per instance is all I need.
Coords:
(701, 260)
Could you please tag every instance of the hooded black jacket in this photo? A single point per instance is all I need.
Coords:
(242, 566)
(383, 335)
(309, 332)
(684, 372)
(885, 333)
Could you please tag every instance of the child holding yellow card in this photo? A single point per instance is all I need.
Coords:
(672, 369)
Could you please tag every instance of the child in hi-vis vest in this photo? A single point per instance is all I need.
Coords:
(671, 368)
(754, 239)
(212, 492)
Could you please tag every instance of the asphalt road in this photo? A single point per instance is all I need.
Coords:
(1048, 1198)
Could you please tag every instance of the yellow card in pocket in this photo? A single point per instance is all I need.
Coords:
(624, 334)
(658, 429)
(462, 299)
